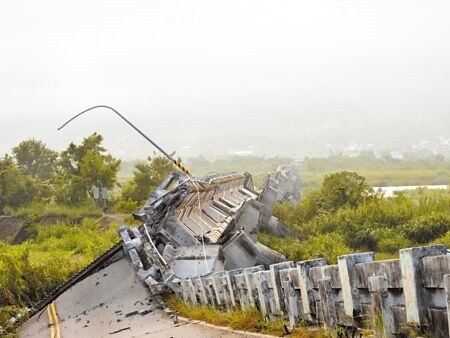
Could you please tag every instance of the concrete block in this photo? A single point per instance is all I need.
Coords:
(312, 291)
(216, 285)
(252, 292)
(417, 299)
(263, 293)
(247, 218)
(399, 319)
(268, 256)
(228, 296)
(276, 227)
(383, 323)
(199, 288)
(433, 270)
(291, 295)
(276, 284)
(315, 274)
(438, 322)
(241, 290)
(240, 252)
(328, 299)
(229, 284)
(447, 296)
(352, 296)
(267, 199)
(332, 272)
(185, 291)
(135, 259)
(190, 261)
(274, 312)
(390, 269)
(308, 296)
(342, 318)
(189, 291)
(210, 292)
(131, 238)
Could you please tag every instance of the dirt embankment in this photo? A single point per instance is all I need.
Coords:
(16, 229)
(10, 227)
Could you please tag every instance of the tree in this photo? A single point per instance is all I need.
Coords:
(337, 190)
(16, 188)
(35, 159)
(146, 178)
(72, 157)
(84, 166)
(342, 188)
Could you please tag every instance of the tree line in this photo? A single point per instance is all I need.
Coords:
(34, 173)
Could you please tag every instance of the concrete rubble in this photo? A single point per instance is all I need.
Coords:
(197, 227)
(198, 239)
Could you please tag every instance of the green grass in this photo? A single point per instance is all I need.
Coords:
(249, 320)
(51, 209)
(30, 270)
(328, 246)
(382, 225)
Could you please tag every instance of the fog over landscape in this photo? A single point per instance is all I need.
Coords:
(287, 173)
(215, 78)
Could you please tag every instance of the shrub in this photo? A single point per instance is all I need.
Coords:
(328, 246)
(390, 240)
(290, 247)
(127, 206)
(427, 228)
(375, 223)
(342, 188)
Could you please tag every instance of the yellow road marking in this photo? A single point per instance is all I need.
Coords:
(50, 317)
(55, 316)
(53, 321)
(50, 322)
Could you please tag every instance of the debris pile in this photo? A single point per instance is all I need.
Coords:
(196, 227)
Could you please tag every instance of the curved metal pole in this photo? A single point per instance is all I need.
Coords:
(175, 162)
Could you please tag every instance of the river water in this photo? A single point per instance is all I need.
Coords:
(390, 190)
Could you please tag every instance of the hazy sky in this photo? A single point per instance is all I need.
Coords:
(215, 74)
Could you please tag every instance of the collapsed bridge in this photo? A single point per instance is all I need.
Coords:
(189, 228)
(198, 238)
(192, 227)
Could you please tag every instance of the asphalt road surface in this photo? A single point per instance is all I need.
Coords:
(112, 303)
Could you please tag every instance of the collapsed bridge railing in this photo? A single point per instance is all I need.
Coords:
(192, 227)
(395, 298)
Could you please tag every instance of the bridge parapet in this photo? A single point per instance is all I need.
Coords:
(405, 296)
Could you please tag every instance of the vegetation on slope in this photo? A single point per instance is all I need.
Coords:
(30, 270)
(249, 320)
(344, 216)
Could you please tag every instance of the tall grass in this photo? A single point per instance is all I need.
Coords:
(383, 225)
(249, 320)
(30, 270)
(52, 209)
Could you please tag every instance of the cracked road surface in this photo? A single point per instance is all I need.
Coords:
(113, 303)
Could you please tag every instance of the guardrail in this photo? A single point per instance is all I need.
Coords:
(398, 297)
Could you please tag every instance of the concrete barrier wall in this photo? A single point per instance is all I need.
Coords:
(398, 297)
